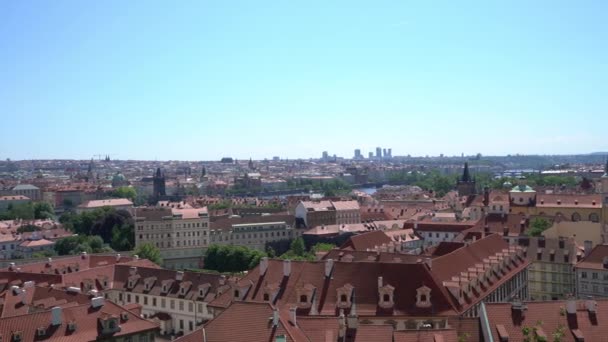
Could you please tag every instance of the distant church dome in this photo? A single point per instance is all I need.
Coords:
(118, 179)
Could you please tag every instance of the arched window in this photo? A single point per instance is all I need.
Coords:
(593, 217)
(576, 217)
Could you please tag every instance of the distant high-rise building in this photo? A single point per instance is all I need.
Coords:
(384, 155)
(390, 153)
(378, 152)
(325, 155)
(358, 154)
(371, 155)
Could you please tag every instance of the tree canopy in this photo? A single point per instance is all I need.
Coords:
(125, 192)
(77, 244)
(227, 258)
(29, 211)
(537, 226)
(150, 252)
(115, 227)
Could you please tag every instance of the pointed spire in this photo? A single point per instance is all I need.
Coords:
(466, 176)
(606, 168)
(158, 175)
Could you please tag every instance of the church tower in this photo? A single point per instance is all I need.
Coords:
(466, 184)
(89, 177)
(159, 184)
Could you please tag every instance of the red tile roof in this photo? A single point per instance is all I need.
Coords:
(365, 241)
(592, 326)
(595, 259)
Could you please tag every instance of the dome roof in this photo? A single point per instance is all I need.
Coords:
(522, 188)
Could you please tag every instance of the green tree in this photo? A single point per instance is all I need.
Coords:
(150, 252)
(28, 228)
(43, 210)
(298, 247)
(225, 258)
(537, 226)
(76, 244)
(322, 247)
(123, 238)
(125, 192)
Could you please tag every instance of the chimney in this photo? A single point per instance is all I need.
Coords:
(222, 280)
(118, 257)
(588, 246)
(591, 305)
(341, 325)
(179, 275)
(263, 265)
(83, 255)
(286, 268)
(380, 282)
(486, 229)
(571, 306)
(11, 266)
(132, 270)
(136, 257)
(28, 284)
(329, 266)
(97, 302)
(292, 316)
(275, 317)
(56, 316)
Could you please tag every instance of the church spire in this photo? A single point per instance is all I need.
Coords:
(466, 176)
(606, 168)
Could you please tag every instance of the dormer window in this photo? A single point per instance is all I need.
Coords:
(344, 295)
(237, 294)
(41, 331)
(72, 326)
(387, 300)
(303, 299)
(423, 297)
(17, 336)
(266, 297)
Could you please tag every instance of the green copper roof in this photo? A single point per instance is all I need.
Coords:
(522, 188)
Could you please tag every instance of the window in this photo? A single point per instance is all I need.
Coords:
(153, 301)
(129, 298)
(162, 302)
(386, 297)
(190, 306)
(145, 300)
(120, 297)
(266, 297)
(137, 299)
(172, 304)
(181, 324)
(181, 306)
(343, 298)
(584, 275)
(303, 299)
(594, 276)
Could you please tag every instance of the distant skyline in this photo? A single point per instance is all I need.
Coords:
(200, 80)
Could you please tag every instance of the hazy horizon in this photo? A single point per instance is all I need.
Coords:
(201, 80)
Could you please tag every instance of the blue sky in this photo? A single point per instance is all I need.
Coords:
(198, 80)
